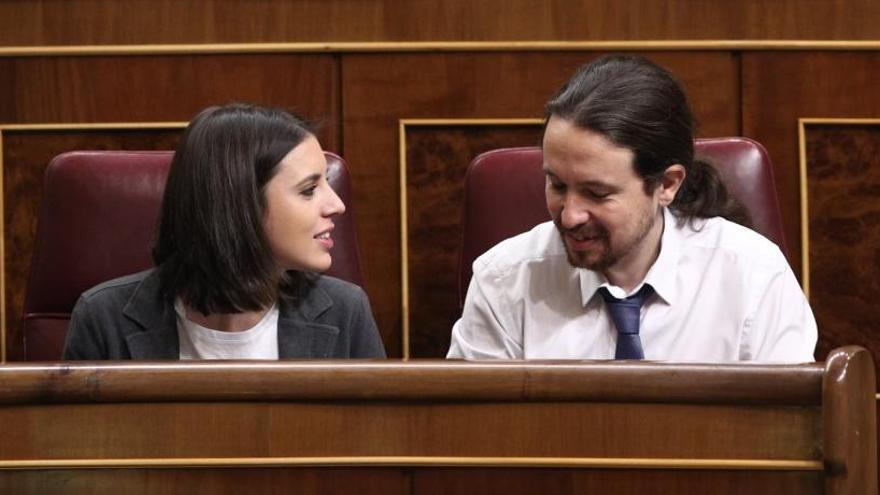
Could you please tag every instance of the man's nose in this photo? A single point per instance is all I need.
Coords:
(574, 212)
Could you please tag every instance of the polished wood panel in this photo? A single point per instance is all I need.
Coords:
(574, 425)
(376, 481)
(436, 161)
(440, 481)
(843, 187)
(778, 89)
(379, 90)
(493, 381)
(83, 22)
(620, 482)
(26, 153)
(849, 409)
(230, 430)
(168, 88)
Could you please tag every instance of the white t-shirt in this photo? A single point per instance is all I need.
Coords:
(722, 293)
(198, 342)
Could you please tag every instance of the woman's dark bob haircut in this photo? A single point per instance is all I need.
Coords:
(211, 249)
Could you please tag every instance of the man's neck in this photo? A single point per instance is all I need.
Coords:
(630, 271)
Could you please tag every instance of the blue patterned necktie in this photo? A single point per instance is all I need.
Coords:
(626, 314)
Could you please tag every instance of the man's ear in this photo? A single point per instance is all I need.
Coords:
(673, 178)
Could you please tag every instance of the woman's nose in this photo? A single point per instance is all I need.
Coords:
(334, 205)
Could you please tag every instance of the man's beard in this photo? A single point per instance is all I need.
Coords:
(608, 257)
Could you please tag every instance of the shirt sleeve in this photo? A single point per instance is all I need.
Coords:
(487, 323)
(783, 329)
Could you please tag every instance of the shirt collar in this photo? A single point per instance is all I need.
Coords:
(661, 276)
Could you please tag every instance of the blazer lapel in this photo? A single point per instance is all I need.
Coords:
(299, 335)
(158, 339)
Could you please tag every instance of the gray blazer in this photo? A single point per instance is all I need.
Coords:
(126, 318)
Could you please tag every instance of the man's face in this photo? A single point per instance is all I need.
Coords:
(597, 200)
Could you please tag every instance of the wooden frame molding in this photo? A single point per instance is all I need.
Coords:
(418, 461)
(73, 126)
(404, 230)
(434, 46)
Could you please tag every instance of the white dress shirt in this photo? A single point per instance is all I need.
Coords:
(722, 293)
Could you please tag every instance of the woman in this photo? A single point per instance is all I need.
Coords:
(246, 223)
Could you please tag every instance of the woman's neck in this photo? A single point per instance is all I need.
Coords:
(226, 322)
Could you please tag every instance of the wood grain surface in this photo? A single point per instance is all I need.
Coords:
(85, 22)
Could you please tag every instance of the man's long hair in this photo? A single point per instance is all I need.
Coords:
(638, 105)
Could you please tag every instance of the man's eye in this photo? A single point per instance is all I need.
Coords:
(557, 186)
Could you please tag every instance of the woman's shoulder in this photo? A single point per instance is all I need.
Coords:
(117, 288)
(337, 288)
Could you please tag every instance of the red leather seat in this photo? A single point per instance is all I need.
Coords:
(97, 222)
(504, 194)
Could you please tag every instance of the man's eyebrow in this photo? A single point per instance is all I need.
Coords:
(586, 183)
(596, 183)
(309, 179)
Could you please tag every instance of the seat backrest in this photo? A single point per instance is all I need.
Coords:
(98, 221)
(504, 194)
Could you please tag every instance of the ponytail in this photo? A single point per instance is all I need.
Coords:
(704, 195)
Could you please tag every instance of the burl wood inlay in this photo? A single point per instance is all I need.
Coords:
(843, 184)
(25, 157)
(437, 158)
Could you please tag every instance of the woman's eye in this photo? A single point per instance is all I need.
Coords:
(309, 192)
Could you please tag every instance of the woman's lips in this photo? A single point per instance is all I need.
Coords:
(325, 239)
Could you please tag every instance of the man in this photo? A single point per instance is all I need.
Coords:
(641, 260)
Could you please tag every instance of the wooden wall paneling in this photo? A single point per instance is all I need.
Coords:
(162, 88)
(84, 22)
(380, 89)
(271, 481)
(409, 481)
(843, 221)
(437, 157)
(778, 89)
(619, 482)
(255, 429)
(25, 155)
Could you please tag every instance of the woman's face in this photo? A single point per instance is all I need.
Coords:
(299, 208)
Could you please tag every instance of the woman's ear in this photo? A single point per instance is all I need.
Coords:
(673, 178)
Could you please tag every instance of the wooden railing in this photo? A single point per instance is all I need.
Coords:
(439, 427)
